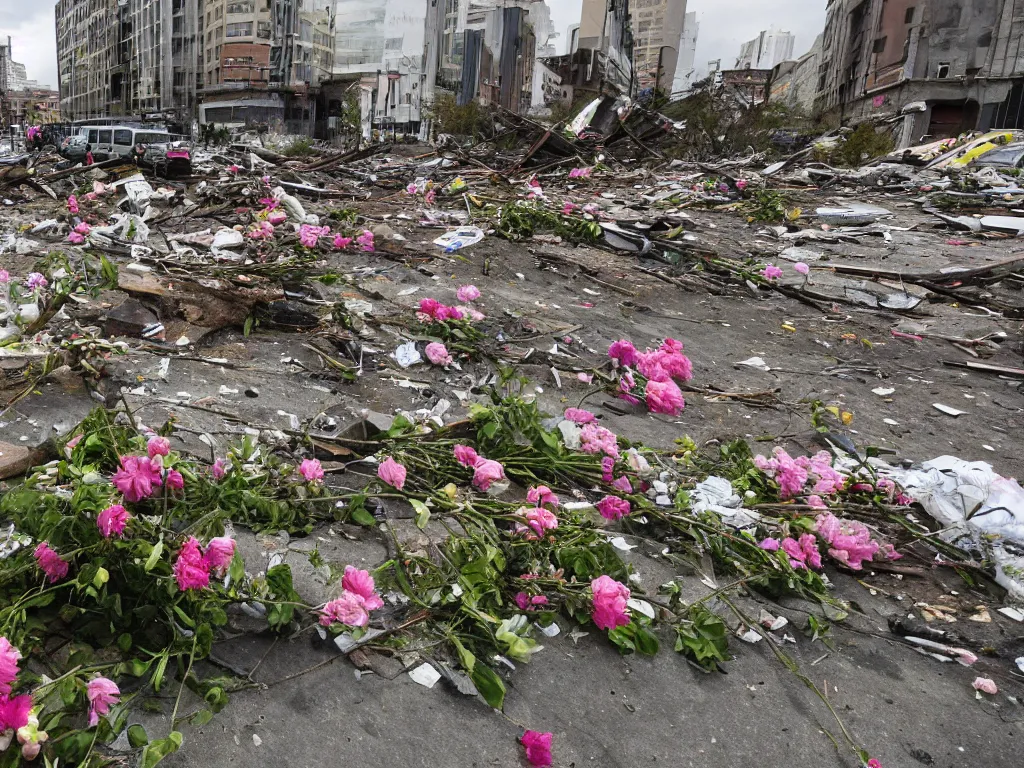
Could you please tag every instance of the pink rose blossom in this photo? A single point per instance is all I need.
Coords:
(365, 241)
(9, 658)
(392, 473)
(568, 208)
(802, 268)
(624, 352)
(220, 469)
(341, 242)
(82, 228)
(579, 415)
(112, 520)
(873, 763)
(430, 197)
(137, 477)
(50, 563)
(311, 470)
(102, 694)
(542, 496)
(817, 502)
(360, 582)
(770, 544)
(595, 439)
(613, 508)
(985, 685)
(263, 230)
(540, 520)
(219, 554)
(35, 280)
(174, 480)
(437, 353)
(234, 168)
(467, 294)
(14, 712)
(802, 553)
(72, 204)
(579, 173)
(309, 235)
(607, 467)
(158, 446)
(349, 609)
(622, 484)
(741, 184)
(75, 239)
(609, 603)
(538, 748)
(771, 272)
(465, 455)
(191, 570)
(486, 472)
(277, 218)
(849, 541)
(411, 189)
(527, 603)
(664, 397)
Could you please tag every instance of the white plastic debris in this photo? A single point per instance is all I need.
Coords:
(1012, 613)
(425, 675)
(948, 410)
(754, 362)
(883, 391)
(716, 494)
(855, 214)
(225, 237)
(463, 237)
(407, 355)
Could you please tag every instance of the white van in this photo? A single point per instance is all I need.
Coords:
(110, 141)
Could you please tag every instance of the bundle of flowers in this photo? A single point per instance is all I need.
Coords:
(651, 375)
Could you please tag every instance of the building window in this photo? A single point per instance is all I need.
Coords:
(246, 6)
(879, 45)
(942, 71)
(263, 30)
(909, 17)
(240, 29)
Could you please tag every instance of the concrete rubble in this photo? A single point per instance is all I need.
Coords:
(274, 299)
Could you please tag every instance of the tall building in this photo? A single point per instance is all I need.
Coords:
(771, 47)
(657, 30)
(948, 69)
(687, 53)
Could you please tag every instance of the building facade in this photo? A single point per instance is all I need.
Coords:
(946, 65)
(687, 53)
(657, 27)
(773, 46)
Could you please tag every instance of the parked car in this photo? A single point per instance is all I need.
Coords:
(110, 141)
(73, 148)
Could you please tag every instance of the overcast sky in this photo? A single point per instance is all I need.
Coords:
(724, 25)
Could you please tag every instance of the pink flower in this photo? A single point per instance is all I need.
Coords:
(311, 470)
(527, 603)
(430, 197)
(538, 748)
(342, 242)
(579, 173)
(75, 239)
(55, 567)
(595, 439)
(158, 446)
(411, 189)
(392, 473)
(72, 204)
(849, 541)
(14, 713)
(624, 352)
(309, 235)
(802, 268)
(348, 609)
(112, 520)
(82, 228)
(9, 658)
(102, 694)
(541, 495)
(234, 168)
(219, 554)
(607, 467)
(579, 415)
(465, 455)
(174, 480)
(770, 545)
(741, 184)
(985, 685)
(613, 508)
(467, 294)
(803, 552)
(568, 208)
(873, 763)
(263, 230)
(137, 477)
(609, 608)
(35, 280)
(540, 520)
(5, 277)
(771, 272)
(360, 582)
(485, 472)
(622, 484)
(365, 240)
(277, 218)
(437, 353)
(191, 569)
(817, 502)
(220, 468)
(664, 397)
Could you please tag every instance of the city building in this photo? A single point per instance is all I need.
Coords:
(684, 75)
(599, 60)
(657, 29)
(771, 47)
(946, 65)
(795, 83)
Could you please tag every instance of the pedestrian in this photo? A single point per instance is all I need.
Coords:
(88, 154)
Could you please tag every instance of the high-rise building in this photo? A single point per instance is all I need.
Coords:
(657, 29)
(687, 53)
(769, 48)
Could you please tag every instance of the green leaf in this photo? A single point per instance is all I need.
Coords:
(422, 513)
(646, 641)
(108, 270)
(124, 642)
(102, 577)
(154, 556)
(202, 717)
(137, 736)
(489, 684)
(704, 640)
(360, 516)
(236, 571)
(158, 674)
(157, 750)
